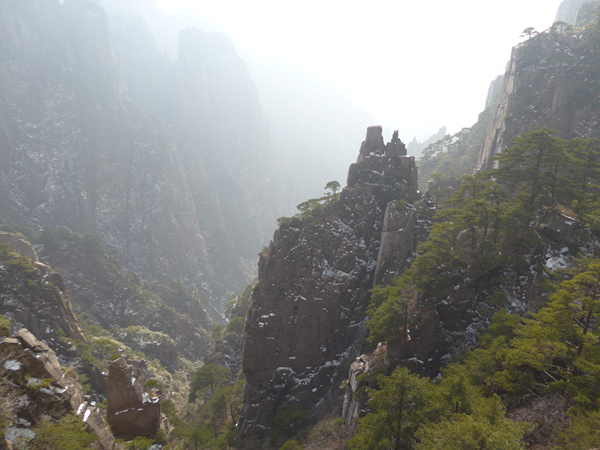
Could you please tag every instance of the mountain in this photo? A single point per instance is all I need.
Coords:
(144, 181)
(77, 152)
(306, 319)
(415, 148)
(548, 83)
(569, 10)
(235, 160)
(210, 104)
(476, 305)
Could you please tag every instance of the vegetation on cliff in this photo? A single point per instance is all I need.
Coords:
(445, 161)
(490, 237)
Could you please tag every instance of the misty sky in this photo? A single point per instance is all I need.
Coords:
(415, 65)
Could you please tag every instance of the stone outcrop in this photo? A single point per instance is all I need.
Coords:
(130, 410)
(398, 241)
(38, 386)
(355, 401)
(551, 81)
(306, 321)
(384, 168)
(19, 244)
(36, 297)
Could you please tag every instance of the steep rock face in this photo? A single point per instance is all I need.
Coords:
(398, 241)
(552, 80)
(210, 103)
(36, 298)
(306, 320)
(75, 151)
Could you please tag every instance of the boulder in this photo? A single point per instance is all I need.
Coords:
(39, 387)
(131, 412)
(561, 229)
(43, 362)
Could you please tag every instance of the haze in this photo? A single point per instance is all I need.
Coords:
(414, 65)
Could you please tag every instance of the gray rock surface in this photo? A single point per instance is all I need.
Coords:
(306, 321)
(39, 387)
(36, 298)
(130, 411)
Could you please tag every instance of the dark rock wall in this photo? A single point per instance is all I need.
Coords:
(36, 298)
(306, 321)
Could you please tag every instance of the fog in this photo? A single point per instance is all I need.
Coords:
(414, 65)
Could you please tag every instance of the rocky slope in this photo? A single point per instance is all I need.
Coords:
(551, 81)
(105, 295)
(306, 319)
(36, 390)
(35, 297)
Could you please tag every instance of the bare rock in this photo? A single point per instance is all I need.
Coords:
(397, 241)
(306, 323)
(130, 411)
(39, 387)
(384, 168)
(565, 97)
(355, 401)
(561, 229)
(44, 363)
(36, 297)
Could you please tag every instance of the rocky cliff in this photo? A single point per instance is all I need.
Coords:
(35, 297)
(306, 320)
(76, 151)
(551, 80)
(36, 391)
(210, 103)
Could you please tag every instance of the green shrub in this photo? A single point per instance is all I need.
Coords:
(5, 326)
(69, 433)
(291, 445)
(140, 443)
(161, 437)
(290, 418)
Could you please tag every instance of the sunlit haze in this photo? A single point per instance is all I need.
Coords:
(414, 65)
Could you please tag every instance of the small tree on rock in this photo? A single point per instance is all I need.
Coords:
(333, 187)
